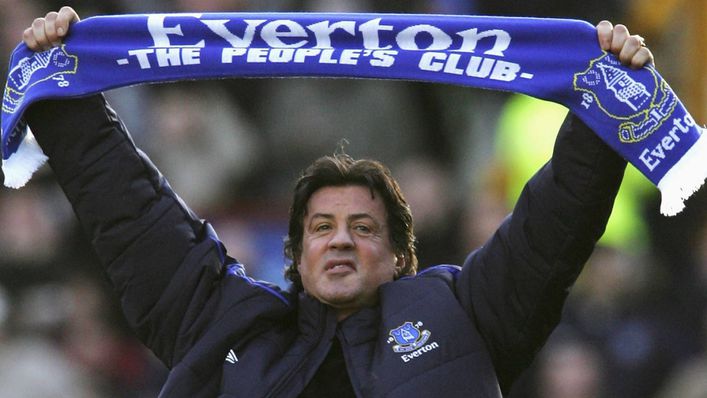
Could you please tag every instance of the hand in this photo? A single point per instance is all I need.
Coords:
(49, 31)
(630, 49)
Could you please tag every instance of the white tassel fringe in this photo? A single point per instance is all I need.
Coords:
(684, 178)
(18, 169)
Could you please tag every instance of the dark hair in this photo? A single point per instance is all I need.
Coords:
(341, 170)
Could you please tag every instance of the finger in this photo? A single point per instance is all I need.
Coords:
(30, 41)
(643, 57)
(629, 50)
(618, 38)
(39, 34)
(66, 17)
(50, 28)
(604, 34)
(641, 40)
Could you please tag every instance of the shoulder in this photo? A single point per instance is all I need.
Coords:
(438, 270)
(444, 272)
(432, 288)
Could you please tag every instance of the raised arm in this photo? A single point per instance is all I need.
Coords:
(165, 263)
(515, 286)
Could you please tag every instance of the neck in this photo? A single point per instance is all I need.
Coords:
(343, 313)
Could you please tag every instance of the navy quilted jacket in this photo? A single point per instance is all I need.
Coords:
(448, 332)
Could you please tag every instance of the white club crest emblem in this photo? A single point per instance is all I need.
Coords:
(408, 337)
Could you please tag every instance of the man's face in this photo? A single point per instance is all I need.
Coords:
(346, 248)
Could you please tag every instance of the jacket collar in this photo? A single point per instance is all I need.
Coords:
(318, 320)
(314, 319)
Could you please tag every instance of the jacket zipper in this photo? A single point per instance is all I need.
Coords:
(349, 368)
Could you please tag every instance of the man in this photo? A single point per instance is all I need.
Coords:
(358, 321)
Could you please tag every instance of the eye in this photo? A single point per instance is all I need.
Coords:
(322, 227)
(363, 228)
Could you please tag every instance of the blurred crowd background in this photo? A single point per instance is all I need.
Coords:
(635, 324)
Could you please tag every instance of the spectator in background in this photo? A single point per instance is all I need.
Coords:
(570, 368)
(690, 293)
(436, 214)
(196, 127)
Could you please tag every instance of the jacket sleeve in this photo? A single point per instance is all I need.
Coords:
(514, 287)
(164, 262)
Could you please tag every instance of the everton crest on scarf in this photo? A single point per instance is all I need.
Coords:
(634, 111)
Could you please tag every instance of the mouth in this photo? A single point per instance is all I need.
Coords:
(339, 265)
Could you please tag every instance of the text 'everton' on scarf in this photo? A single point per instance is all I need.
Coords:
(634, 111)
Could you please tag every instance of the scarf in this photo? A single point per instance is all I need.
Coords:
(634, 111)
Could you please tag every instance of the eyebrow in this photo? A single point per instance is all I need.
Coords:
(352, 217)
(358, 216)
(321, 215)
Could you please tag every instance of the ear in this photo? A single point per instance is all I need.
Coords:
(399, 264)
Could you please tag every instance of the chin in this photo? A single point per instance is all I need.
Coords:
(339, 300)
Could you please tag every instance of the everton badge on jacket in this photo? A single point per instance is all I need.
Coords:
(408, 338)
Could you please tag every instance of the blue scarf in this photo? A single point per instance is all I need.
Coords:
(635, 112)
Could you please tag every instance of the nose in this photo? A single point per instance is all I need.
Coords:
(341, 239)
